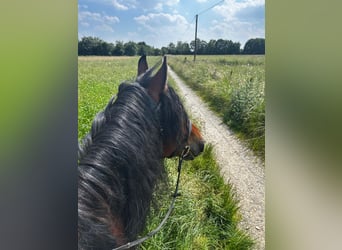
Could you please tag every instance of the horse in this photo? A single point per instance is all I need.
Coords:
(120, 162)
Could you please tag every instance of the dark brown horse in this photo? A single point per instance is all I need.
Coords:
(121, 158)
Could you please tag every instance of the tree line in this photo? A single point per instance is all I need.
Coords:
(95, 46)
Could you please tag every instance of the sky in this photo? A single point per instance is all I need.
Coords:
(158, 22)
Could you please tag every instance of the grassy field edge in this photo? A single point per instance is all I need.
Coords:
(233, 86)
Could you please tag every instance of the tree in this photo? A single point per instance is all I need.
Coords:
(96, 46)
(89, 45)
(130, 48)
(164, 51)
(220, 46)
(157, 52)
(171, 48)
(182, 48)
(236, 48)
(144, 49)
(119, 49)
(255, 46)
(200, 44)
(211, 47)
(104, 49)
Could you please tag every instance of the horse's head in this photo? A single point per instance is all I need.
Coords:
(177, 130)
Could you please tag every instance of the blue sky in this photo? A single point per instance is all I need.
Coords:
(160, 22)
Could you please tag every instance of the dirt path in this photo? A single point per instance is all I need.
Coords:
(238, 164)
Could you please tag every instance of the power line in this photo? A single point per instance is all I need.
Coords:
(210, 7)
(195, 50)
(196, 17)
(192, 19)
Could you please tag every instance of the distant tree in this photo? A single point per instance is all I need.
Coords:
(202, 47)
(182, 48)
(236, 48)
(186, 49)
(89, 46)
(255, 46)
(157, 52)
(164, 51)
(179, 47)
(130, 48)
(200, 44)
(192, 45)
(96, 46)
(171, 48)
(143, 49)
(220, 46)
(211, 49)
(104, 49)
(119, 49)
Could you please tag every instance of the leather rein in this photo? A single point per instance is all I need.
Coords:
(128, 245)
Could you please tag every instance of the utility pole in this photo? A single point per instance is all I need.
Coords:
(195, 51)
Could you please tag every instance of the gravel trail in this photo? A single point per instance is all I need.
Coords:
(238, 164)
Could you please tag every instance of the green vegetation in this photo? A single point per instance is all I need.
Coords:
(234, 88)
(95, 46)
(98, 81)
(206, 214)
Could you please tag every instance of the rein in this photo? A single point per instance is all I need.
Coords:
(128, 245)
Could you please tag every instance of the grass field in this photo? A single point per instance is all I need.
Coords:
(206, 214)
(233, 86)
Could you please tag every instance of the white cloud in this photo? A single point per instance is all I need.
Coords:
(171, 2)
(85, 24)
(123, 5)
(87, 15)
(241, 20)
(97, 17)
(104, 28)
(119, 6)
(153, 20)
(80, 6)
(159, 7)
(201, 1)
(230, 8)
(97, 21)
(111, 19)
(163, 28)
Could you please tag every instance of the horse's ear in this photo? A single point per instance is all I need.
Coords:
(158, 82)
(142, 65)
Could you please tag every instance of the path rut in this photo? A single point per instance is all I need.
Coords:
(238, 165)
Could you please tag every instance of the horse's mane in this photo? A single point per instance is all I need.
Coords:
(120, 163)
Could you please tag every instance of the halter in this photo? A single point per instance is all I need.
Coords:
(183, 155)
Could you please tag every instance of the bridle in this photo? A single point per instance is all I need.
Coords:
(184, 154)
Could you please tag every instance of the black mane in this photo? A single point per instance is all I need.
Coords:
(121, 162)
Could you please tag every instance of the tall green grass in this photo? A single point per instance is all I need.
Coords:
(234, 88)
(206, 214)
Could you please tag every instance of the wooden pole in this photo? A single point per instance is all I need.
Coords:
(195, 50)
